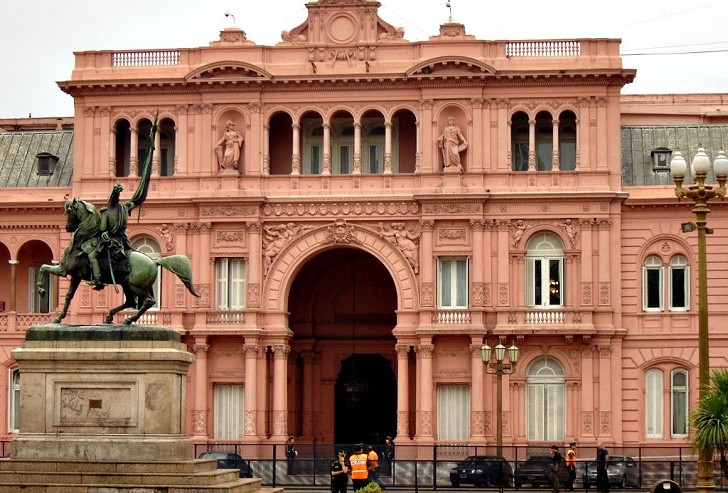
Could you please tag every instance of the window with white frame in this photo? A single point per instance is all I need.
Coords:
(151, 248)
(652, 284)
(653, 403)
(14, 401)
(679, 406)
(453, 282)
(343, 159)
(36, 302)
(545, 401)
(374, 156)
(229, 411)
(545, 271)
(230, 282)
(679, 283)
(313, 151)
(453, 412)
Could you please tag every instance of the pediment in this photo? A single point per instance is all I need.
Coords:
(227, 71)
(450, 65)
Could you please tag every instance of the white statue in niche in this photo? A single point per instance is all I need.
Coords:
(228, 147)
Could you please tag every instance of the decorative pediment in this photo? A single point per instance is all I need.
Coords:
(343, 22)
(227, 71)
(450, 65)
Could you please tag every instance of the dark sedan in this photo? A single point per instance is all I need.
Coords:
(228, 460)
(622, 472)
(482, 470)
(536, 471)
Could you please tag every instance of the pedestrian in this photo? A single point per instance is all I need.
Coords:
(555, 466)
(602, 464)
(291, 454)
(373, 466)
(571, 465)
(388, 455)
(359, 472)
(339, 473)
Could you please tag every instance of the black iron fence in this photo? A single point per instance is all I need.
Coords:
(433, 467)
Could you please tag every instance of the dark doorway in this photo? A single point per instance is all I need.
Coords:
(365, 400)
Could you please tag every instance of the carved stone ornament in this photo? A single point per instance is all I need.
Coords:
(341, 232)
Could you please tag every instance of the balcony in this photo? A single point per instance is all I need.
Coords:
(559, 321)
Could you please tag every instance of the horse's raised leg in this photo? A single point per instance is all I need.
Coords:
(75, 281)
(146, 305)
(45, 269)
(129, 302)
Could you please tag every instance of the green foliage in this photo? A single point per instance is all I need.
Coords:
(370, 488)
(710, 419)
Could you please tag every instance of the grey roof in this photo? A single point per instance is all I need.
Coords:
(638, 141)
(18, 167)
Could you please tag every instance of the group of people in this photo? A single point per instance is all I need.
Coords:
(362, 466)
(602, 462)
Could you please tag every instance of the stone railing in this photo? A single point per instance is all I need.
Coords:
(543, 48)
(231, 317)
(449, 317)
(144, 58)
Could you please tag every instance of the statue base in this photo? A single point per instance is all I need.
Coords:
(452, 180)
(103, 410)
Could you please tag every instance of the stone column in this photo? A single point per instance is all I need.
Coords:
(424, 358)
(199, 415)
(251, 349)
(605, 391)
(255, 247)
(266, 150)
(112, 152)
(388, 148)
(308, 396)
(280, 390)
(181, 156)
(327, 150)
(427, 268)
(555, 165)
(402, 390)
(156, 157)
(134, 153)
(357, 148)
(588, 425)
(295, 152)
(532, 145)
(13, 285)
(477, 412)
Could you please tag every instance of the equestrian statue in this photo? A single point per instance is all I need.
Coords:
(100, 252)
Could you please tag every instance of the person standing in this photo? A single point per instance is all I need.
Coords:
(359, 472)
(555, 466)
(339, 473)
(602, 464)
(373, 466)
(388, 454)
(571, 465)
(291, 454)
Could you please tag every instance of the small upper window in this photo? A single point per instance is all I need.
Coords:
(46, 163)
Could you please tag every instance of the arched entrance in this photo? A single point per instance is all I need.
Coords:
(342, 307)
(365, 400)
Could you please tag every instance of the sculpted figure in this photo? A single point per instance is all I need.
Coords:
(518, 228)
(571, 231)
(452, 143)
(100, 252)
(406, 240)
(228, 147)
(275, 240)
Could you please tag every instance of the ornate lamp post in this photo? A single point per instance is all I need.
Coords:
(499, 368)
(700, 193)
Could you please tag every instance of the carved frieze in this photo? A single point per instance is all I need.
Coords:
(228, 211)
(313, 209)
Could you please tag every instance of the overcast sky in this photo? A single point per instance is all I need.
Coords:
(38, 37)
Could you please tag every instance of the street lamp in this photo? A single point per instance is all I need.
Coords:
(700, 193)
(499, 368)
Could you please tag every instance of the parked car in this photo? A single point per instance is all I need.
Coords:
(229, 460)
(622, 472)
(482, 470)
(536, 471)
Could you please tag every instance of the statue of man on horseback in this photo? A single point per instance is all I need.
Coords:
(100, 252)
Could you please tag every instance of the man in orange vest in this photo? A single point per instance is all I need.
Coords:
(571, 465)
(373, 459)
(359, 470)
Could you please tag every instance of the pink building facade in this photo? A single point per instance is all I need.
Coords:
(363, 213)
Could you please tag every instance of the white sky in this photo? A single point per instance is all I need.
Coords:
(38, 37)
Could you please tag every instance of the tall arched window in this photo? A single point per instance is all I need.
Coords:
(679, 283)
(679, 387)
(652, 284)
(545, 271)
(567, 141)
(653, 403)
(151, 248)
(545, 401)
(519, 141)
(544, 141)
(14, 401)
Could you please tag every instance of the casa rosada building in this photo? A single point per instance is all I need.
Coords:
(364, 212)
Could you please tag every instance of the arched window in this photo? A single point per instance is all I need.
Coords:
(14, 401)
(123, 147)
(652, 284)
(167, 139)
(519, 141)
(545, 271)
(544, 141)
(343, 159)
(373, 160)
(567, 141)
(679, 283)
(545, 401)
(679, 387)
(151, 248)
(653, 403)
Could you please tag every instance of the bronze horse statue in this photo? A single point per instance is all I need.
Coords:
(137, 281)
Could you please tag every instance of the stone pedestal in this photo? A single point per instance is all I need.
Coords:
(452, 180)
(103, 392)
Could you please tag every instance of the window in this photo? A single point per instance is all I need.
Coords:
(567, 141)
(519, 142)
(151, 248)
(453, 282)
(229, 411)
(652, 279)
(453, 412)
(230, 274)
(653, 403)
(679, 403)
(545, 401)
(544, 141)
(544, 271)
(36, 302)
(679, 283)
(14, 401)
(374, 155)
